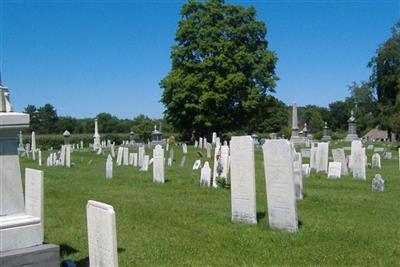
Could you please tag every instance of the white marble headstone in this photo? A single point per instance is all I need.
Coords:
(158, 164)
(102, 236)
(279, 177)
(243, 182)
(334, 170)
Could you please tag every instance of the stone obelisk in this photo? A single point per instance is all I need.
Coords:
(295, 138)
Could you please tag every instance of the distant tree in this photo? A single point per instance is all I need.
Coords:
(68, 123)
(314, 116)
(107, 123)
(221, 68)
(272, 116)
(33, 113)
(143, 126)
(362, 101)
(47, 119)
(339, 114)
(386, 78)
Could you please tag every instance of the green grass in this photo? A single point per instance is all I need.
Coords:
(180, 223)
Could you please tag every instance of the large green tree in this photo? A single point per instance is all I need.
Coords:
(386, 80)
(221, 68)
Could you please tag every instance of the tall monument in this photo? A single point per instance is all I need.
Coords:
(96, 137)
(295, 138)
(352, 132)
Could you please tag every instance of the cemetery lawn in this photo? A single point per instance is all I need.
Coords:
(179, 223)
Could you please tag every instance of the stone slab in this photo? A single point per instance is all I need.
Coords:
(37, 256)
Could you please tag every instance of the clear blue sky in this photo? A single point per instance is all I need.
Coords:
(87, 57)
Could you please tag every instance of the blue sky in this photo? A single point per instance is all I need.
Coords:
(87, 57)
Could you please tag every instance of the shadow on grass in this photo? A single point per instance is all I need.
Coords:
(85, 261)
(66, 250)
(260, 215)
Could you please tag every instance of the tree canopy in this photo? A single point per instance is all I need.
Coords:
(221, 68)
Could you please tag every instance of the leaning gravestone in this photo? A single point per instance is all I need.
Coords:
(378, 184)
(158, 164)
(334, 170)
(109, 167)
(196, 165)
(102, 235)
(243, 181)
(205, 176)
(279, 177)
(339, 156)
(305, 169)
(376, 161)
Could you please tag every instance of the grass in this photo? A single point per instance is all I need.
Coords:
(179, 223)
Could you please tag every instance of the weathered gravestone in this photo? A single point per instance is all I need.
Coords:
(221, 163)
(305, 168)
(183, 160)
(335, 170)
(205, 176)
(357, 160)
(145, 165)
(109, 167)
(141, 156)
(376, 161)
(119, 155)
(298, 175)
(279, 177)
(322, 157)
(40, 157)
(184, 148)
(313, 158)
(196, 165)
(306, 152)
(125, 156)
(158, 164)
(339, 156)
(243, 181)
(102, 235)
(135, 159)
(378, 184)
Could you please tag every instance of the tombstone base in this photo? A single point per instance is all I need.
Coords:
(297, 140)
(351, 137)
(37, 256)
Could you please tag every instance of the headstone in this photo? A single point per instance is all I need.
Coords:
(370, 147)
(306, 171)
(196, 143)
(141, 156)
(279, 177)
(135, 159)
(169, 162)
(200, 142)
(339, 156)
(183, 160)
(112, 150)
(205, 176)
(40, 157)
(131, 159)
(125, 156)
(145, 165)
(109, 167)
(243, 182)
(102, 236)
(376, 161)
(357, 160)
(196, 165)
(158, 165)
(217, 142)
(322, 157)
(214, 137)
(208, 147)
(305, 152)
(387, 155)
(184, 148)
(298, 175)
(378, 184)
(379, 149)
(313, 158)
(68, 156)
(120, 155)
(33, 148)
(221, 163)
(335, 170)
(81, 144)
